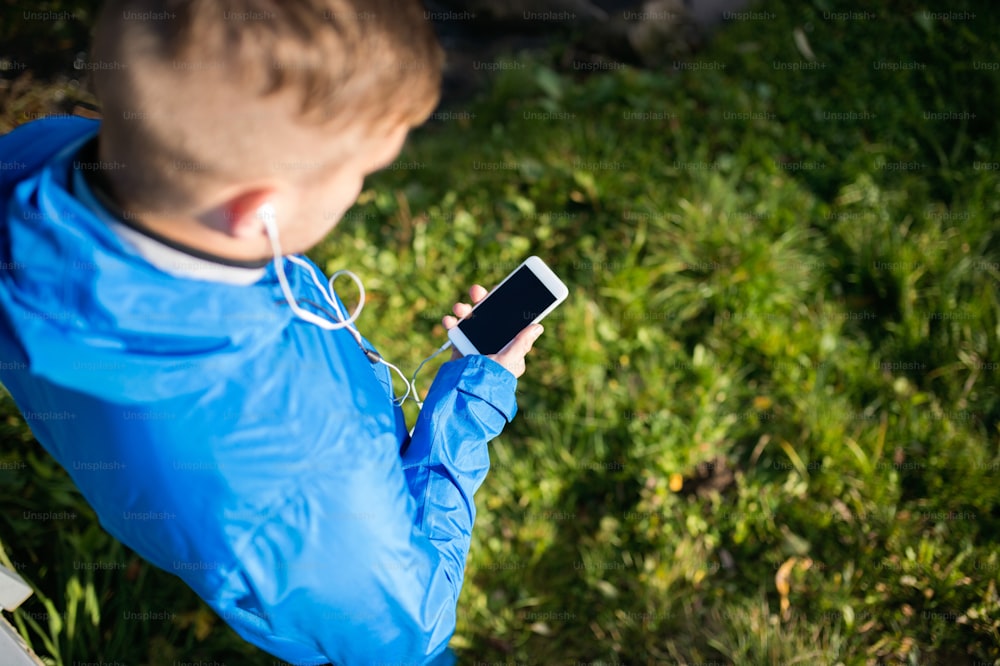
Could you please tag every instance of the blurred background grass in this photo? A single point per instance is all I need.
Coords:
(764, 427)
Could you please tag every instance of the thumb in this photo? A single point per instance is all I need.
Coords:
(512, 356)
(522, 344)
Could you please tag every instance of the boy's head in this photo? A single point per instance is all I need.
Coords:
(214, 107)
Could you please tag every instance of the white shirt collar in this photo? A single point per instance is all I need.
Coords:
(167, 259)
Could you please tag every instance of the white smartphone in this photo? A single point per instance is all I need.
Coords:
(524, 298)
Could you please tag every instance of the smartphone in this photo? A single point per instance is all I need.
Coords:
(524, 298)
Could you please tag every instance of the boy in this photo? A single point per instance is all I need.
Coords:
(208, 396)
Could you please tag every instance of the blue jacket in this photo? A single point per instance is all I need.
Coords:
(254, 455)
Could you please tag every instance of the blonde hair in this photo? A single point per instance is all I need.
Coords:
(197, 94)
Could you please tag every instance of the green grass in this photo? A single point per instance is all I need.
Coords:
(779, 356)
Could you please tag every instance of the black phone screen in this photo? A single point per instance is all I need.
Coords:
(506, 311)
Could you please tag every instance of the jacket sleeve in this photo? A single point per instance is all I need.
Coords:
(367, 561)
(469, 403)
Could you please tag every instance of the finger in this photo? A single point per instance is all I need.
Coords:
(512, 356)
(461, 309)
(477, 292)
(449, 321)
(525, 340)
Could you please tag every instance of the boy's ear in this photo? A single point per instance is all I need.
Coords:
(241, 214)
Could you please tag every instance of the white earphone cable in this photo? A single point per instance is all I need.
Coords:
(267, 215)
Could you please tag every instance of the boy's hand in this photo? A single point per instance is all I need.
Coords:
(511, 356)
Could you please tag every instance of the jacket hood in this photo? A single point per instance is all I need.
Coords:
(68, 277)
